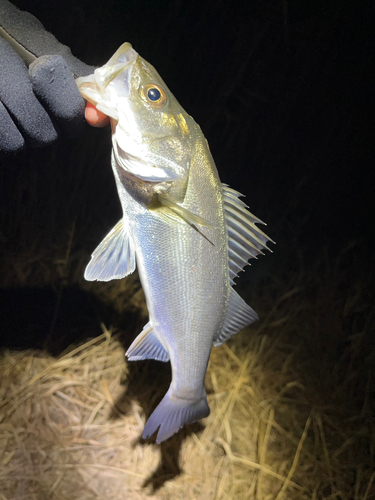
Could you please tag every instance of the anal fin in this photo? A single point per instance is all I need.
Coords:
(147, 346)
(238, 315)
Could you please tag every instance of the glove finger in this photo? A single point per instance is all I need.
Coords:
(11, 139)
(55, 87)
(17, 96)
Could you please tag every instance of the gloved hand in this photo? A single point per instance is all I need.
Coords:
(36, 104)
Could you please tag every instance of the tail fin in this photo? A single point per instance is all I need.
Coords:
(172, 414)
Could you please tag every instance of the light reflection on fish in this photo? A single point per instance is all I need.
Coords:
(188, 233)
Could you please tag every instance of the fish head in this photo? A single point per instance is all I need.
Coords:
(151, 133)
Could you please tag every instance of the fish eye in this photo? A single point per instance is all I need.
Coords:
(154, 95)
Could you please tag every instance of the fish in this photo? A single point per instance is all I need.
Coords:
(188, 234)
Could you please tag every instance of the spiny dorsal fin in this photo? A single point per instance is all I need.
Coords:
(114, 258)
(245, 239)
(147, 346)
(238, 315)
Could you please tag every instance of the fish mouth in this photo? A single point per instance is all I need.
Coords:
(121, 63)
(110, 82)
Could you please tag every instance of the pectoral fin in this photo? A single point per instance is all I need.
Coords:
(185, 214)
(114, 258)
(147, 346)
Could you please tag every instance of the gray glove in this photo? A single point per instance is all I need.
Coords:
(36, 104)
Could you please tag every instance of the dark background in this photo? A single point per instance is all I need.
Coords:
(283, 92)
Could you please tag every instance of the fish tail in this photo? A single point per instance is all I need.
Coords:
(173, 413)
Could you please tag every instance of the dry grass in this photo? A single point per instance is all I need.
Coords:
(281, 426)
(64, 434)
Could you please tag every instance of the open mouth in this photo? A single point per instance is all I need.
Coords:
(117, 70)
(110, 82)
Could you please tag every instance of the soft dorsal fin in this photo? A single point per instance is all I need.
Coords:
(245, 239)
(147, 346)
(114, 258)
(238, 315)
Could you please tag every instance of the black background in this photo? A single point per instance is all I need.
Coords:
(282, 91)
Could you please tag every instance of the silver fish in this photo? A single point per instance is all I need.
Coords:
(188, 233)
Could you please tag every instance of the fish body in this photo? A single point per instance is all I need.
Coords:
(188, 233)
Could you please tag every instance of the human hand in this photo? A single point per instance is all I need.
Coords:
(38, 104)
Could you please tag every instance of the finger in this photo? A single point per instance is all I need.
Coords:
(11, 139)
(94, 117)
(54, 85)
